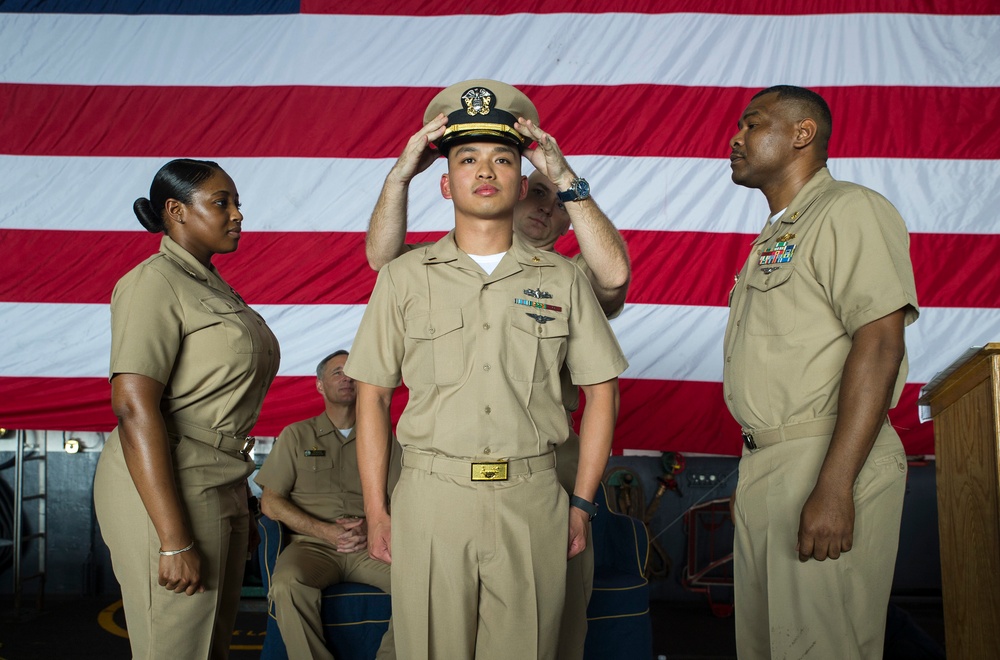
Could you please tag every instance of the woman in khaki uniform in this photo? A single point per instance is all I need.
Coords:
(190, 365)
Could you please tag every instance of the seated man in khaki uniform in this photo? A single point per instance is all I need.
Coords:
(311, 485)
(479, 326)
(539, 220)
(814, 358)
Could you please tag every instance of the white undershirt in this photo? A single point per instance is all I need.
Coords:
(777, 215)
(488, 262)
(346, 432)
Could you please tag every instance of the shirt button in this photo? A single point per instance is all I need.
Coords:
(430, 330)
(539, 329)
(729, 396)
(737, 324)
(486, 286)
(270, 352)
(486, 367)
(729, 359)
(487, 451)
(486, 326)
(488, 410)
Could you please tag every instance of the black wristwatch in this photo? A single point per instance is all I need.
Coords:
(587, 507)
(579, 190)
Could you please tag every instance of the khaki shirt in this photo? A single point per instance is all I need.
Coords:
(483, 375)
(316, 467)
(837, 259)
(179, 323)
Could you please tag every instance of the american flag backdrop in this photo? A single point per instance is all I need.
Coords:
(307, 104)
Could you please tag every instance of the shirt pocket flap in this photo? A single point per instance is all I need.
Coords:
(766, 281)
(219, 306)
(314, 463)
(434, 324)
(555, 327)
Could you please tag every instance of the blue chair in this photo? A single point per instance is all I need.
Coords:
(355, 616)
(618, 622)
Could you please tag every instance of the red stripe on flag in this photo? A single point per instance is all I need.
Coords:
(656, 415)
(775, 7)
(330, 268)
(649, 120)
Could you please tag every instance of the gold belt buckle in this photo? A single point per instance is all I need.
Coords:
(489, 471)
(248, 445)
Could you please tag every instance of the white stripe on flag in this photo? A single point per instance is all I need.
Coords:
(551, 49)
(315, 194)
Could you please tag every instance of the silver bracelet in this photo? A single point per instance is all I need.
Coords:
(171, 553)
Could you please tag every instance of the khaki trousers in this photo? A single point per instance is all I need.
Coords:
(162, 624)
(830, 609)
(579, 569)
(479, 568)
(302, 571)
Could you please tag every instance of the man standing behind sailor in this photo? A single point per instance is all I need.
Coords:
(479, 326)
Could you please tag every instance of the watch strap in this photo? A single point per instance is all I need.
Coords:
(590, 508)
(578, 189)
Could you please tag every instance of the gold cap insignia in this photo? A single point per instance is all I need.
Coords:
(477, 100)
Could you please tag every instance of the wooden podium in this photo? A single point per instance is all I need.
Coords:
(965, 405)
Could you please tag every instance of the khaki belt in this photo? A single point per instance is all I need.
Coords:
(226, 441)
(760, 438)
(477, 470)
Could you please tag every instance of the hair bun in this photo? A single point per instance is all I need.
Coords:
(148, 218)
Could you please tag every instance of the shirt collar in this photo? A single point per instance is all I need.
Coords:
(447, 251)
(802, 200)
(323, 426)
(186, 260)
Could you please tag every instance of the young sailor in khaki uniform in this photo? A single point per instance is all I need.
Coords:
(814, 358)
(190, 365)
(311, 485)
(478, 326)
(544, 215)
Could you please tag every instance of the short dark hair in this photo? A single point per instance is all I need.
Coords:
(810, 103)
(178, 180)
(322, 363)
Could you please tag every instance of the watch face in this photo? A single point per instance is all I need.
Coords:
(578, 189)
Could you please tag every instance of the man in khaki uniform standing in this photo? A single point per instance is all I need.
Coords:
(539, 220)
(311, 485)
(479, 325)
(814, 359)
